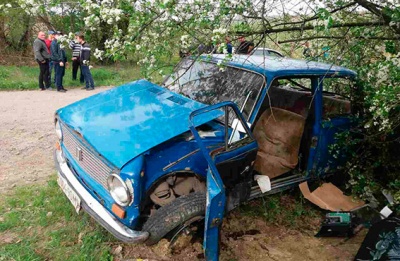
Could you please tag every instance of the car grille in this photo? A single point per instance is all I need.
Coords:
(87, 160)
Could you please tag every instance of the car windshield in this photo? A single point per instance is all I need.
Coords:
(210, 83)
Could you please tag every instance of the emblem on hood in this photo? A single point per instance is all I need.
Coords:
(78, 153)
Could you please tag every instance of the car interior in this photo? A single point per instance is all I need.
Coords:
(283, 126)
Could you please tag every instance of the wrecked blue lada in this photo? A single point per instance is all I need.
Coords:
(149, 161)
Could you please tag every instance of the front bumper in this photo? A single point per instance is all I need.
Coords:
(95, 209)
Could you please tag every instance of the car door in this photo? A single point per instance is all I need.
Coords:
(229, 170)
(334, 118)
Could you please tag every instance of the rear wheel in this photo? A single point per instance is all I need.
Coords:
(181, 212)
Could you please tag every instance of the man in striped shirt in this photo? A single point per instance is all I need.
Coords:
(76, 53)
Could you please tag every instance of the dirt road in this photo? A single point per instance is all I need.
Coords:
(27, 134)
(26, 142)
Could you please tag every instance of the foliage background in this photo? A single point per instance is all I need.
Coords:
(361, 35)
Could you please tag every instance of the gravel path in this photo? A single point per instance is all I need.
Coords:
(27, 135)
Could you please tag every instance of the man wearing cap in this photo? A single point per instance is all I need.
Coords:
(76, 53)
(59, 59)
(48, 41)
(42, 56)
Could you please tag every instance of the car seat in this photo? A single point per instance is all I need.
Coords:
(278, 133)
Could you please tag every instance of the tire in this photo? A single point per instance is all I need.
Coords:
(174, 214)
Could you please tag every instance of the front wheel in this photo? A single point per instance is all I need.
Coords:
(175, 214)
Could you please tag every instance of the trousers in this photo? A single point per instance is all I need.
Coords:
(88, 76)
(44, 75)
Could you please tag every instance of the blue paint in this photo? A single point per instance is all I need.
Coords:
(275, 67)
(324, 162)
(125, 122)
(316, 84)
(102, 195)
(143, 128)
(216, 198)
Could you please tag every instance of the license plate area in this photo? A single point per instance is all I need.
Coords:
(69, 192)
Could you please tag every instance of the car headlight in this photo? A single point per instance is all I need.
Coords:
(119, 190)
(58, 129)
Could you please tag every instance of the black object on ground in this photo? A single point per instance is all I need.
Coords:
(382, 241)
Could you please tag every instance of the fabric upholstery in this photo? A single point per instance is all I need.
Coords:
(278, 133)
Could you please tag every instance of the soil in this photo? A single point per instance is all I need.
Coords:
(27, 139)
(27, 135)
(251, 238)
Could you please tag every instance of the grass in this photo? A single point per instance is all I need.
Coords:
(42, 225)
(37, 222)
(284, 209)
(26, 77)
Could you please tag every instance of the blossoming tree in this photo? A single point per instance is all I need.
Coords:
(359, 34)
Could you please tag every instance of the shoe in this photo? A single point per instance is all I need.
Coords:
(90, 89)
(64, 89)
(61, 90)
(42, 89)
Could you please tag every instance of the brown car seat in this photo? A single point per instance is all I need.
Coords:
(278, 133)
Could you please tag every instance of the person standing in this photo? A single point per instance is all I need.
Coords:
(85, 61)
(76, 53)
(48, 41)
(228, 44)
(59, 59)
(307, 50)
(244, 47)
(42, 56)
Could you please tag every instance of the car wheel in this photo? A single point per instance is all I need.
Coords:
(177, 213)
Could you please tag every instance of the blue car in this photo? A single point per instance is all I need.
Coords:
(149, 161)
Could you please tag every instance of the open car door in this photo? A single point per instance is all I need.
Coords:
(229, 169)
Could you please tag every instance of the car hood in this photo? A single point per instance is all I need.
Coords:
(126, 121)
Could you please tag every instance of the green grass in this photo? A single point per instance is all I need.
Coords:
(26, 77)
(43, 225)
(283, 209)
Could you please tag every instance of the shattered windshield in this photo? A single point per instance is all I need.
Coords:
(208, 83)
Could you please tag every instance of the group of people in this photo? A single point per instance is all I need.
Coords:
(244, 47)
(51, 56)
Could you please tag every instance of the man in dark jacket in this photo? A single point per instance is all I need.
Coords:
(85, 60)
(244, 47)
(76, 53)
(59, 59)
(42, 57)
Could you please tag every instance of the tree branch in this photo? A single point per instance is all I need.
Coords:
(310, 27)
(316, 16)
(336, 37)
(375, 9)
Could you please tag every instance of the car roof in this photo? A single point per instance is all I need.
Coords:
(281, 66)
(265, 48)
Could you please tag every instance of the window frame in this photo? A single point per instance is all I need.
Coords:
(260, 89)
